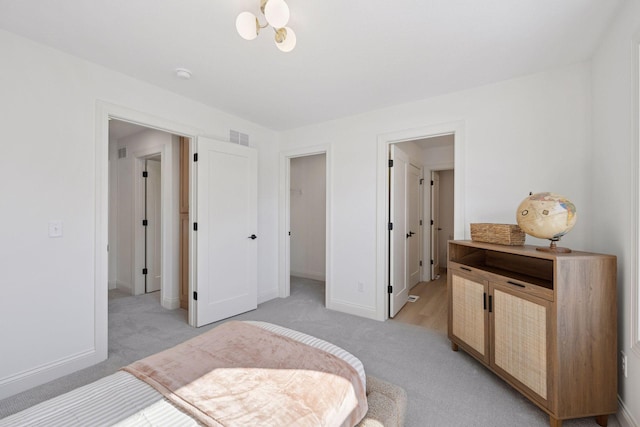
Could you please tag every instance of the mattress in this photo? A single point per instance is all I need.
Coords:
(121, 399)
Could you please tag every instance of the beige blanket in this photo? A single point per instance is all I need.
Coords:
(239, 374)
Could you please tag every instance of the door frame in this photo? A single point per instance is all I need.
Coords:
(284, 242)
(105, 111)
(382, 221)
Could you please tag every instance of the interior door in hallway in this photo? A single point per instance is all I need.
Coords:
(435, 224)
(398, 289)
(226, 240)
(153, 229)
(414, 229)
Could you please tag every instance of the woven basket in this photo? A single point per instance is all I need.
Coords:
(502, 234)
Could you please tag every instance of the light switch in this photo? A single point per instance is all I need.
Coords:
(55, 228)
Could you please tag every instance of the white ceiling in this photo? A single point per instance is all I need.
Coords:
(352, 56)
(119, 129)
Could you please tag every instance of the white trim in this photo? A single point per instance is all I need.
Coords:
(635, 197)
(382, 239)
(193, 243)
(349, 307)
(624, 417)
(25, 380)
(284, 220)
(319, 276)
(441, 167)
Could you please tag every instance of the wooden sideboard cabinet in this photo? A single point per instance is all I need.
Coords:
(544, 322)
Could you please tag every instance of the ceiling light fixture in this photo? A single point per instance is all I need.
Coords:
(183, 73)
(276, 13)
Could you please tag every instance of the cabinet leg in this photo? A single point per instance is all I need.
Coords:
(602, 420)
(554, 422)
(454, 346)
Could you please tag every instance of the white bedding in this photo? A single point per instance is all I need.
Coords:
(121, 399)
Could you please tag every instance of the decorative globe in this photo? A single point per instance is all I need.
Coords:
(546, 216)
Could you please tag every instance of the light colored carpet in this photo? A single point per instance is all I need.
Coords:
(444, 388)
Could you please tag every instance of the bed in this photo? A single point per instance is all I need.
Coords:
(240, 373)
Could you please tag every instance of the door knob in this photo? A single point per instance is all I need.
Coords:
(253, 237)
(411, 233)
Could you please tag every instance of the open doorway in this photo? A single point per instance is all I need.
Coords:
(144, 173)
(305, 185)
(426, 304)
(307, 207)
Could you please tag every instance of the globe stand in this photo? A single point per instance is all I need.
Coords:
(553, 248)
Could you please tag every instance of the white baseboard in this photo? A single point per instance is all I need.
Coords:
(25, 380)
(313, 276)
(171, 303)
(264, 297)
(124, 287)
(624, 417)
(350, 308)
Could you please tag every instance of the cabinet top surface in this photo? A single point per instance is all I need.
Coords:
(527, 250)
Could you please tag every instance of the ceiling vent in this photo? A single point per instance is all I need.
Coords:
(238, 138)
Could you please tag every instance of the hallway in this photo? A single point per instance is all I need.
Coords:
(430, 310)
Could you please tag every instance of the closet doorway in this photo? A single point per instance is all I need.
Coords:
(307, 233)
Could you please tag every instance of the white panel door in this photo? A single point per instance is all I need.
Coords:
(397, 236)
(226, 245)
(414, 236)
(153, 229)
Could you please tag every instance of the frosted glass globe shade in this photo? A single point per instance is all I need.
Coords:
(246, 25)
(289, 43)
(277, 13)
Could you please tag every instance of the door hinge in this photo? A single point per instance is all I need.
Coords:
(420, 222)
(431, 222)
(420, 263)
(390, 227)
(195, 296)
(390, 163)
(390, 289)
(195, 157)
(421, 181)
(431, 262)
(145, 174)
(145, 222)
(145, 271)
(431, 182)
(195, 226)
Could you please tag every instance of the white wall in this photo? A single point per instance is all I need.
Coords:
(614, 170)
(308, 216)
(48, 171)
(525, 134)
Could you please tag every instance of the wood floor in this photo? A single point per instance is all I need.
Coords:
(430, 310)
